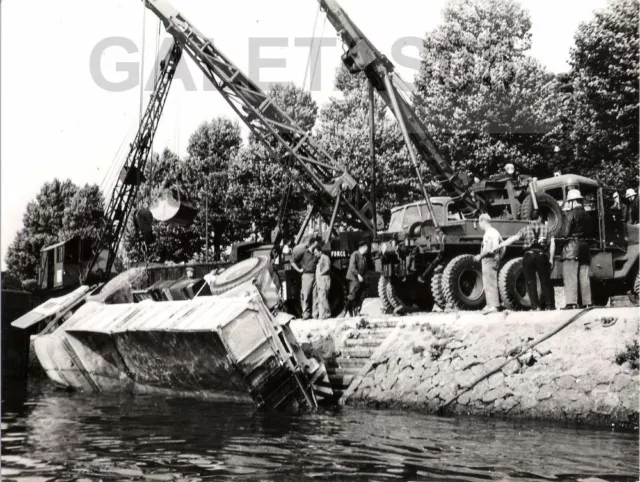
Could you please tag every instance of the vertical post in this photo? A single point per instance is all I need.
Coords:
(407, 140)
(372, 146)
(206, 221)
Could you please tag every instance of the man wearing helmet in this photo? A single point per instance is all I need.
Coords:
(631, 207)
(578, 229)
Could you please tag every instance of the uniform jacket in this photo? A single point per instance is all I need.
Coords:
(357, 266)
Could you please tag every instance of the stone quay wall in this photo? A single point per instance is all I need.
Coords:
(467, 363)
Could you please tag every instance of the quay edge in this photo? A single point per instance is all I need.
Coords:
(585, 373)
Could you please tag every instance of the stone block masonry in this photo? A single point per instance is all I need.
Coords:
(467, 363)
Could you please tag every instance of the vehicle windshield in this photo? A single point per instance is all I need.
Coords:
(406, 217)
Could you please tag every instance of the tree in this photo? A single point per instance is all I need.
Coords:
(344, 133)
(257, 182)
(60, 211)
(485, 101)
(603, 107)
(206, 173)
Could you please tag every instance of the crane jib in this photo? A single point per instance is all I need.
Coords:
(292, 146)
(361, 55)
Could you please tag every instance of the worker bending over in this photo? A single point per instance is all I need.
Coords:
(537, 262)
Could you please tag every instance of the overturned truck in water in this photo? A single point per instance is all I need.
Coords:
(234, 345)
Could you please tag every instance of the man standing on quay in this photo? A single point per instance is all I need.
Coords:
(355, 278)
(577, 256)
(490, 256)
(305, 263)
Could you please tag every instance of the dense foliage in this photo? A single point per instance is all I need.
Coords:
(481, 95)
(61, 210)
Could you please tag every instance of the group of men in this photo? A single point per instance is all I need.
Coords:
(314, 264)
(539, 253)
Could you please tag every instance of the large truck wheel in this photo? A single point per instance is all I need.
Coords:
(437, 291)
(238, 274)
(549, 208)
(462, 283)
(387, 307)
(512, 286)
(406, 296)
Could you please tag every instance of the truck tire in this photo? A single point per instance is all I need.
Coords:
(462, 283)
(409, 296)
(512, 286)
(399, 306)
(387, 307)
(437, 291)
(549, 207)
(238, 274)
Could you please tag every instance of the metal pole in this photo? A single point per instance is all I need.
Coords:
(407, 140)
(372, 141)
(206, 221)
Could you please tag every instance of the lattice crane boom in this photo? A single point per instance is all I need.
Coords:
(132, 174)
(361, 55)
(295, 148)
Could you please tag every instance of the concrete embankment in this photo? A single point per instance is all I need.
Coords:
(527, 365)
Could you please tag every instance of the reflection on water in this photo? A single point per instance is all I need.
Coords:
(67, 436)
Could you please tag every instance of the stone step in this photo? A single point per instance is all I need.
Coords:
(360, 342)
(358, 352)
(351, 362)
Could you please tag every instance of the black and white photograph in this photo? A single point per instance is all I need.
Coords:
(306, 240)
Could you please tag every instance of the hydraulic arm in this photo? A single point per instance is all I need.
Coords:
(131, 175)
(361, 55)
(331, 184)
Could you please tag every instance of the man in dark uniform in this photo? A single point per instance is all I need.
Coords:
(578, 229)
(539, 251)
(355, 278)
(305, 264)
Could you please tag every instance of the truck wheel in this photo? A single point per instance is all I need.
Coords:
(387, 307)
(512, 286)
(239, 273)
(462, 283)
(406, 296)
(437, 292)
(548, 207)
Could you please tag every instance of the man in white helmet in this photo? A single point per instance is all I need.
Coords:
(631, 208)
(578, 229)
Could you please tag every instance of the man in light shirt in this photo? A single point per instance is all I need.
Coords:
(490, 263)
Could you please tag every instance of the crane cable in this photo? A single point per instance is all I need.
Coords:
(313, 41)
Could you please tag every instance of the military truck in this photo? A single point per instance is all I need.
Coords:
(426, 266)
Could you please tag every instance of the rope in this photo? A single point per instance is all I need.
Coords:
(315, 66)
(514, 354)
(313, 39)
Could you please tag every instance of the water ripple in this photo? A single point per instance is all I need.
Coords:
(63, 436)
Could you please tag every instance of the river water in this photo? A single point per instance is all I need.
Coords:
(53, 435)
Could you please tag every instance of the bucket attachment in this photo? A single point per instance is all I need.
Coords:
(171, 207)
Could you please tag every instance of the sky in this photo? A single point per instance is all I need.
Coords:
(59, 119)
